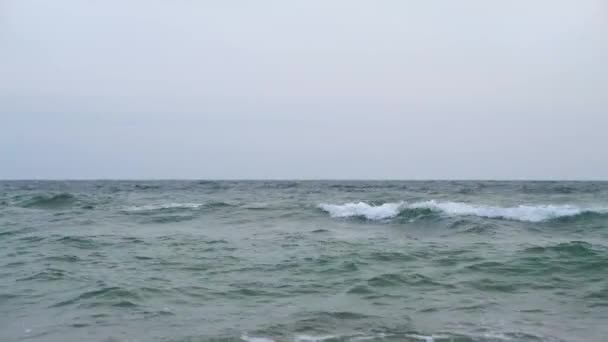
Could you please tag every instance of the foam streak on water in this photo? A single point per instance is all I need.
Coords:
(161, 206)
(283, 261)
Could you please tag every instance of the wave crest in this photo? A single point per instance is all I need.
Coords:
(529, 213)
(526, 213)
(362, 209)
(50, 201)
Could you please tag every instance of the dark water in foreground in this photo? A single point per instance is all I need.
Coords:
(303, 261)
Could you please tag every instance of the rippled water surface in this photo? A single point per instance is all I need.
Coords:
(303, 261)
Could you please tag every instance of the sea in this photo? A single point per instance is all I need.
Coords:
(303, 261)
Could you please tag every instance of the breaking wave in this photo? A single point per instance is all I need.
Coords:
(362, 209)
(526, 213)
(395, 336)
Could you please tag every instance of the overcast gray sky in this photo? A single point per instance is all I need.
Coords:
(304, 89)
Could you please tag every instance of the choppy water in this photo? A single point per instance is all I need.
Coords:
(303, 261)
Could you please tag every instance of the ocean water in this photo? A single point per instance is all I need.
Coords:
(303, 261)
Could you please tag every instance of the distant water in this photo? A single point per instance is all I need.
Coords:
(303, 261)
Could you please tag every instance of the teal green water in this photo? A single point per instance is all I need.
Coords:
(303, 261)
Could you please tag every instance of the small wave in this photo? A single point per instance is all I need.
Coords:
(220, 204)
(398, 279)
(358, 336)
(559, 187)
(169, 213)
(569, 249)
(110, 296)
(56, 201)
(297, 338)
(175, 206)
(527, 213)
(146, 187)
(47, 275)
(310, 338)
(162, 206)
(82, 242)
(397, 335)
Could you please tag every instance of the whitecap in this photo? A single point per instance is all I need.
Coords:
(527, 213)
(309, 338)
(362, 209)
(247, 338)
(428, 338)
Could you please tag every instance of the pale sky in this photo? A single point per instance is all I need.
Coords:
(330, 89)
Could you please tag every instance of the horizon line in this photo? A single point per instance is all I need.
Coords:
(305, 179)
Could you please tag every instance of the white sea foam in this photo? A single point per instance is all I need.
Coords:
(362, 209)
(161, 206)
(426, 338)
(421, 337)
(308, 338)
(247, 338)
(322, 338)
(529, 213)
